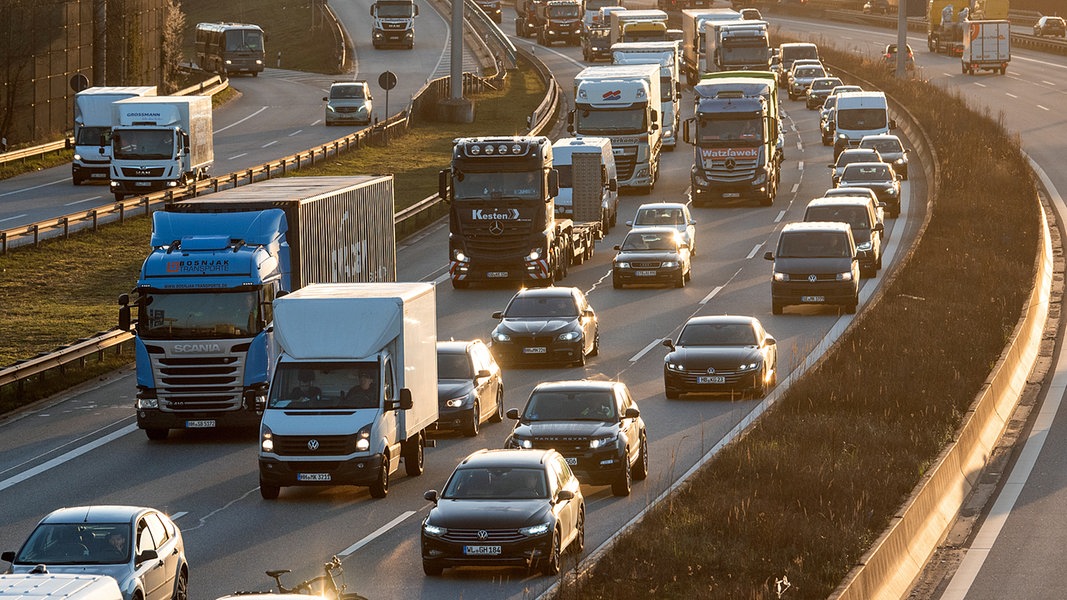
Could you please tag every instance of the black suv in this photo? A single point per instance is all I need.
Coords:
(815, 263)
(595, 425)
(877, 176)
(860, 214)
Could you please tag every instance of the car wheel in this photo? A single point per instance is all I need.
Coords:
(181, 587)
(680, 282)
(156, 434)
(878, 264)
(579, 539)
(77, 180)
(689, 274)
(471, 428)
(380, 487)
(460, 284)
(498, 415)
(431, 568)
(269, 492)
(671, 393)
(415, 456)
(641, 468)
(580, 361)
(550, 563)
(622, 485)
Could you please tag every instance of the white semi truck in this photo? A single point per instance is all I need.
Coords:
(92, 129)
(668, 55)
(354, 387)
(160, 142)
(620, 102)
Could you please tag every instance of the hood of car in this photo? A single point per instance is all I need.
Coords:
(453, 388)
(488, 514)
(726, 358)
(121, 573)
(536, 325)
(575, 429)
(646, 255)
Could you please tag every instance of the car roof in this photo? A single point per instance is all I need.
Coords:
(454, 346)
(660, 205)
(551, 291)
(856, 166)
(850, 192)
(851, 151)
(505, 458)
(839, 201)
(724, 319)
(651, 229)
(816, 226)
(577, 385)
(105, 513)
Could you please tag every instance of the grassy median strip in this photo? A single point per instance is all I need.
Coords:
(805, 493)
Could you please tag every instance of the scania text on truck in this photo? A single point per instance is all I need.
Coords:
(986, 46)
(693, 41)
(228, 48)
(645, 25)
(502, 223)
(203, 297)
(354, 387)
(668, 55)
(620, 102)
(92, 129)
(160, 142)
(740, 46)
(561, 22)
(394, 23)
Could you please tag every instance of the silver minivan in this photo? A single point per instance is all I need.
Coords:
(349, 102)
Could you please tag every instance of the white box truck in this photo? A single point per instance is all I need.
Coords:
(668, 55)
(693, 40)
(621, 102)
(354, 387)
(92, 129)
(161, 142)
(586, 167)
(986, 46)
(58, 586)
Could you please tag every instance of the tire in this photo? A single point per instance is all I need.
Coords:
(578, 545)
(431, 568)
(623, 485)
(458, 284)
(580, 361)
(269, 492)
(550, 564)
(380, 488)
(640, 472)
(671, 393)
(615, 283)
(119, 196)
(255, 73)
(181, 586)
(878, 264)
(471, 428)
(77, 180)
(157, 434)
(520, 27)
(596, 345)
(680, 282)
(415, 456)
(498, 415)
(689, 273)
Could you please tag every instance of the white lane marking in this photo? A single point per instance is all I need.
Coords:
(80, 201)
(1047, 82)
(370, 538)
(982, 85)
(55, 462)
(800, 165)
(316, 122)
(1010, 95)
(241, 121)
(754, 251)
(711, 294)
(36, 187)
(178, 515)
(268, 144)
(12, 218)
(781, 215)
(796, 186)
(800, 146)
(1042, 107)
(646, 350)
(949, 74)
(440, 280)
(238, 156)
(297, 131)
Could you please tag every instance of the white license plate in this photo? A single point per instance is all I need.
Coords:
(644, 273)
(142, 183)
(481, 550)
(572, 460)
(537, 350)
(312, 476)
(496, 274)
(202, 424)
(711, 379)
(731, 194)
(813, 298)
(98, 176)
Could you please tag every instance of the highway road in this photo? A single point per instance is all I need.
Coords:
(83, 448)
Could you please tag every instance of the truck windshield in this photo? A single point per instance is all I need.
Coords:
(143, 144)
(564, 12)
(645, 35)
(611, 121)
(244, 40)
(864, 119)
(713, 131)
(93, 136)
(525, 185)
(666, 88)
(210, 315)
(397, 10)
(746, 55)
(325, 385)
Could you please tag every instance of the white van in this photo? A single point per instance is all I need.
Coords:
(58, 586)
(858, 114)
(563, 152)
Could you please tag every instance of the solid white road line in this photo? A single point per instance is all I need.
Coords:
(370, 538)
(238, 156)
(443, 278)
(800, 165)
(242, 120)
(646, 350)
(12, 218)
(796, 186)
(36, 187)
(711, 294)
(55, 462)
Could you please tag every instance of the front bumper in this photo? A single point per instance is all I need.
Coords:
(515, 549)
(718, 189)
(154, 418)
(535, 351)
(842, 293)
(658, 275)
(693, 382)
(493, 271)
(129, 186)
(354, 471)
(390, 37)
(451, 419)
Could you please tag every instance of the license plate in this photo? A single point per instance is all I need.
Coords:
(481, 550)
(496, 274)
(731, 194)
(142, 183)
(312, 476)
(98, 176)
(537, 350)
(644, 273)
(572, 460)
(813, 298)
(202, 424)
(711, 379)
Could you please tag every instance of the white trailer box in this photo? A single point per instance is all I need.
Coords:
(668, 55)
(693, 42)
(160, 142)
(986, 46)
(330, 338)
(58, 586)
(92, 129)
(653, 22)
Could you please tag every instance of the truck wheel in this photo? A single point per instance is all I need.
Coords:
(77, 180)
(1003, 70)
(119, 196)
(776, 308)
(520, 27)
(415, 456)
(156, 434)
(596, 345)
(269, 492)
(380, 488)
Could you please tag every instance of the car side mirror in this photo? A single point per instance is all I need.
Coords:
(147, 555)
(892, 123)
(668, 342)
(431, 496)
(878, 227)
(629, 223)
(771, 341)
(831, 165)
(325, 99)
(563, 495)
(588, 313)
(8, 556)
(768, 256)
(513, 413)
(632, 413)
(498, 315)
(482, 374)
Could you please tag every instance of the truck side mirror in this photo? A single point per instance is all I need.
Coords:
(374, 10)
(406, 403)
(655, 116)
(687, 133)
(892, 123)
(416, 6)
(553, 183)
(124, 312)
(443, 178)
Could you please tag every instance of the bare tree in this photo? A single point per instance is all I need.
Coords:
(16, 60)
(173, 31)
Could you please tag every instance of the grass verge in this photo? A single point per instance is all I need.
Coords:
(809, 488)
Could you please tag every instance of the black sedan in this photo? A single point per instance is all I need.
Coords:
(652, 255)
(595, 425)
(519, 508)
(470, 386)
(553, 324)
(878, 177)
(721, 354)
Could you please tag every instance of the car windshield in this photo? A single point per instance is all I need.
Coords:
(825, 84)
(338, 92)
(865, 173)
(453, 365)
(862, 118)
(638, 241)
(319, 386)
(813, 244)
(855, 216)
(717, 334)
(541, 306)
(847, 158)
(884, 146)
(492, 483)
(77, 544)
(809, 71)
(659, 216)
(578, 405)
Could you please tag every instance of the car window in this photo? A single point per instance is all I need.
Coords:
(856, 172)
(582, 405)
(159, 532)
(563, 472)
(541, 306)
(717, 334)
(453, 365)
(885, 146)
(856, 216)
(145, 541)
(637, 240)
(813, 244)
(486, 483)
(484, 357)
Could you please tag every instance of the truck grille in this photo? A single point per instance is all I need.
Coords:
(197, 383)
(138, 172)
(499, 536)
(744, 170)
(328, 445)
(514, 239)
(625, 165)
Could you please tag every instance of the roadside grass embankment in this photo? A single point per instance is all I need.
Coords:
(67, 289)
(816, 480)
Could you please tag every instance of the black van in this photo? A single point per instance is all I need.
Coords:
(815, 263)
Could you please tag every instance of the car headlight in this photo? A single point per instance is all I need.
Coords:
(266, 439)
(501, 337)
(752, 366)
(779, 276)
(846, 276)
(520, 442)
(77, 157)
(569, 336)
(891, 191)
(535, 530)
(363, 438)
(675, 367)
(603, 441)
(842, 137)
(669, 264)
(456, 402)
(433, 530)
(622, 265)
(150, 403)
(898, 161)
